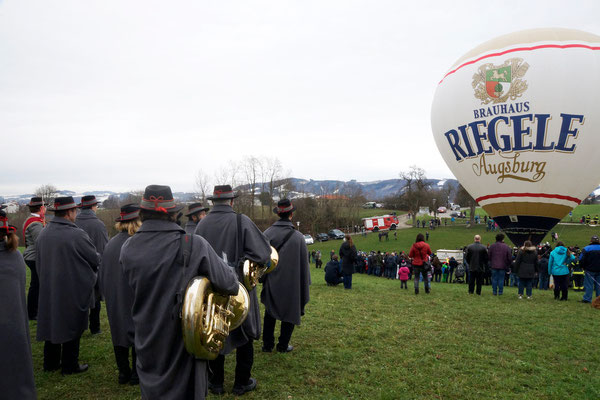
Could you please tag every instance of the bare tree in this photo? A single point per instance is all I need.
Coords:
(272, 172)
(47, 192)
(464, 198)
(251, 168)
(415, 192)
(202, 186)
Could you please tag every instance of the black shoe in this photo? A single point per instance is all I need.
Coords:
(267, 349)
(563, 299)
(427, 290)
(286, 350)
(135, 379)
(77, 370)
(240, 390)
(585, 301)
(416, 290)
(96, 332)
(216, 389)
(124, 377)
(52, 369)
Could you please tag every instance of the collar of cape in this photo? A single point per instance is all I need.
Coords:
(284, 222)
(223, 208)
(62, 221)
(155, 225)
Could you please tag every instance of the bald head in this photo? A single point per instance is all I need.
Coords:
(477, 238)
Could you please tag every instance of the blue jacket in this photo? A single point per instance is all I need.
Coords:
(590, 258)
(559, 261)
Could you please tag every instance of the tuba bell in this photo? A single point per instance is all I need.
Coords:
(253, 271)
(207, 317)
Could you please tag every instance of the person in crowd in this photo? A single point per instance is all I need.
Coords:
(67, 262)
(89, 222)
(543, 268)
(333, 272)
(331, 254)
(589, 260)
(477, 258)
(403, 275)
(285, 291)
(500, 257)
(437, 269)
(558, 267)
(452, 265)
(526, 266)
(196, 212)
(16, 367)
(235, 236)
(378, 261)
(348, 256)
(119, 296)
(318, 260)
(390, 266)
(31, 230)
(419, 254)
(157, 271)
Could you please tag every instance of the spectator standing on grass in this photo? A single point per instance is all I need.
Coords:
(500, 257)
(348, 255)
(452, 264)
(419, 254)
(558, 263)
(526, 266)
(437, 269)
(543, 269)
(333, 272)
(477, 257)
(403, 275)
(589, 260)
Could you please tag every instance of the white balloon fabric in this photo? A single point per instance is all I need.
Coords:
(517, 120)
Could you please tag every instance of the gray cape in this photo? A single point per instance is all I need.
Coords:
(219, 228)
(190, 227)
(16, 365)
(117, 293)
(89, 222)
(155, 273)
(66, 260)
(286, 290)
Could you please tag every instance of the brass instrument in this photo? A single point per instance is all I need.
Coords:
(253, 271)
(207, 317)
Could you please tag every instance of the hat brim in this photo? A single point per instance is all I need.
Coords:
(224, 197)
(275, 210)
(52, 209)
(197, 211)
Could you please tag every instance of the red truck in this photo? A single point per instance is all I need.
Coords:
(380, 223)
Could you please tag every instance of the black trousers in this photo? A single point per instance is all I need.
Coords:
(475, 277)
(244, 358)
(561, 284)
(34, 291)
(95, 316)
(122, 357)
(285, 334)
(64, 354)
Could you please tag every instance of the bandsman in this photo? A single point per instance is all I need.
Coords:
(31, 230)
(196, 212)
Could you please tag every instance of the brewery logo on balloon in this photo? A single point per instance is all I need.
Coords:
(517, 120)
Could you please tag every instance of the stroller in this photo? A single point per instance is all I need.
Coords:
(459, 274)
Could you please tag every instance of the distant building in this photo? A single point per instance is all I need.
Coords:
(11, 207)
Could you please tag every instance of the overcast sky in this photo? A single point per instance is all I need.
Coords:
(116, 95)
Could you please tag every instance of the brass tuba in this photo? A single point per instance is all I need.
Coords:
(207, 317)
(253, 271)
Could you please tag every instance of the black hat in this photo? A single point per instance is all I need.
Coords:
(196, 208)
(63, 203)
(223, 192)
(88, 201)
(129, 212)
(36, 202)
(284, 206)
(595, 239)
(159, 198)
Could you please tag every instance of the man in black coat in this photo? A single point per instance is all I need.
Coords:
(221, 228)
(195, 213)
(152, 263)
(477, 258)
(89, 222)
(67, 262)
(286, 289)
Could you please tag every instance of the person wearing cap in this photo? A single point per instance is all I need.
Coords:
(119, 296)
(220, 229)
(589, 260)
(16, 367)
(67, 262)
(285, 290)
(31, 230)
(89, 222)
(153, 267)
(196, 212)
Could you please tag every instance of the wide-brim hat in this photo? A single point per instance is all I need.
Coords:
(129, 212)
(159, 198)
(595, 239)
(36, 202)
(223, 192)
(63, 204)
(284, 206)
(196, 208)
(88, 201)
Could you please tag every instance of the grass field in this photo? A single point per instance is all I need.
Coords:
(379, 342)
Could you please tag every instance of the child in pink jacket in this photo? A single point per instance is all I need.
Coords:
(403, 273)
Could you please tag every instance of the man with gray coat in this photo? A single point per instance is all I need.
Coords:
(196, 212)
(153, 265)
(477, 258)
(221, 228)
(286, 289)
(31, 230)
(67, 262)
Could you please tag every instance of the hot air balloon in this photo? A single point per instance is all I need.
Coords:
(517, 120)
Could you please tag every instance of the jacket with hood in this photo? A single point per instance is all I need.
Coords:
(559, 261)
(526, 264)
(419, 252)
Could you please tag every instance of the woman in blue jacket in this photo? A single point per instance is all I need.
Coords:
(558, 267)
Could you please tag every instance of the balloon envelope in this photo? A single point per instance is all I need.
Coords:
(517, 120)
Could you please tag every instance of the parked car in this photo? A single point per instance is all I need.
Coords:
(322, 237)
(441, 210)
(457, 214)
(336, 234)
(308, 239)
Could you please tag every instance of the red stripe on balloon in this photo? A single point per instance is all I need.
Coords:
(547, 196)
(543, 46)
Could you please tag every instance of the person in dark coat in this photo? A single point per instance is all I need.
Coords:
(333, 272)
(31, 229)
(285, 290)
(89, 222)
(220, 229)
(196, 212)
(477, 258)
(348, 256)
(118, 294)
(526, 266)
(67, 262)
(16, 364)
(153, 267)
